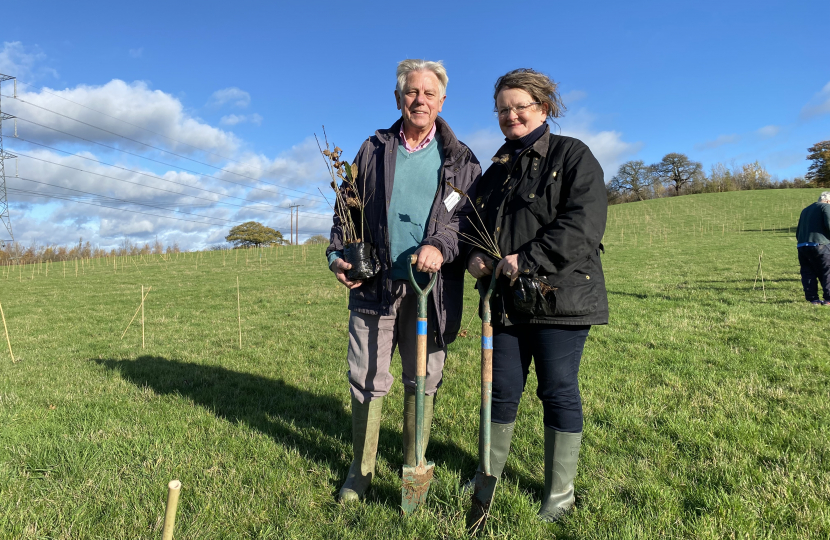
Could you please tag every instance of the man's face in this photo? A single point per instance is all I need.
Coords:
(421, 101)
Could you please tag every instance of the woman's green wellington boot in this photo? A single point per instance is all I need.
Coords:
(561, 456)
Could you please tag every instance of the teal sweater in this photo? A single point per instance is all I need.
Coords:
(413, 192)
(416, 181)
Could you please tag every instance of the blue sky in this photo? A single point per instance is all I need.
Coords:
(729, 82)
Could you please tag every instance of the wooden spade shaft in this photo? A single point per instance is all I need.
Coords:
(486, 377)
(416, 480)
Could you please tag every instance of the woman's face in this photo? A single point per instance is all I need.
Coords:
(516, 119)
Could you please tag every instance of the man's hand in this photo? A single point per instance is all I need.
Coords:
(509, 266)
(429, 259)
(480, 265)
(339, 267)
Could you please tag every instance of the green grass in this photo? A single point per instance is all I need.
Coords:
(706, 406)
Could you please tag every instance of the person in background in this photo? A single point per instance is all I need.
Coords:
(410, 173)
(813, 237)
(544, 202)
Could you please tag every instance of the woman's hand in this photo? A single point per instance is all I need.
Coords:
(509, 266)
(480, 265)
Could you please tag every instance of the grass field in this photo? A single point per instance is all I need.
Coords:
(706, 405)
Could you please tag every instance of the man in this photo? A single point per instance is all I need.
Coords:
(409, 172)
(813, 237)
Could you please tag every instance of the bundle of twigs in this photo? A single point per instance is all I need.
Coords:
(482, 239)
(348, 198)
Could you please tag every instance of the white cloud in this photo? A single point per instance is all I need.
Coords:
(135, 103)
(38, 216)
(233, 96)
(63, 221)
(25, 63)
(719, 141)
(234, 119)
(818, 105)
(136, 53)
(767, 132)
(607, 146)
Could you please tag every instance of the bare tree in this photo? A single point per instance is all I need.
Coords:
(633, 177)
(677, 170)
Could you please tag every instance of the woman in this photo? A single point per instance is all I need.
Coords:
(543, 201)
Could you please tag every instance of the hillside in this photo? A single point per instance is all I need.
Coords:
(705, 404)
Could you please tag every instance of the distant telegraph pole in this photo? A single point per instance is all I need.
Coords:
(295, 231)
(4, 202)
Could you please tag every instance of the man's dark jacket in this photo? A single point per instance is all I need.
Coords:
(376, 169)
(549, 206)
(814, 224)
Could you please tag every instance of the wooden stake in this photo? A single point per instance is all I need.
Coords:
(137, 310)
(7, 334)
(142, 316)
(760, 272)
(173, 490)
(238, 313)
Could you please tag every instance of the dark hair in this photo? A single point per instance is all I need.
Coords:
(540, 87)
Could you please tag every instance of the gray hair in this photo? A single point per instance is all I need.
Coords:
(405, 67)
(824, 197)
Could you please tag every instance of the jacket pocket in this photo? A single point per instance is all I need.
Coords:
(577, 295)
(542, 197)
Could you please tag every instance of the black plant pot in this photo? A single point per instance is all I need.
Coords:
(364, 261)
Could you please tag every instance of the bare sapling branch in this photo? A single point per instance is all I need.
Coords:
(349, 200)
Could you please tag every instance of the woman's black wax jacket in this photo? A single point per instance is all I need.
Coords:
(549, 206)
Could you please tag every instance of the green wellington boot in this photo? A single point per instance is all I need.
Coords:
(561, 456)
(365, 431)
(409, 457)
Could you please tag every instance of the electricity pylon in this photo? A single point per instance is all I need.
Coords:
(4, 202)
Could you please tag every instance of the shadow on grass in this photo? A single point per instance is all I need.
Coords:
(316, 425)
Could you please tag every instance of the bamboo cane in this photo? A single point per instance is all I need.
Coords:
(136, 311)
(8, 341)
(238, 313)
(173, 490)
(142, 316)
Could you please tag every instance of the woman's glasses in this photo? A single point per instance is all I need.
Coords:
(518, 109)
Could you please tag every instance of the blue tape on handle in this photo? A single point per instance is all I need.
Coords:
(422, 328)
(486, 342)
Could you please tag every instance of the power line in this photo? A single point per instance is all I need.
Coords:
(155, 187)
(52, 196)
(157, 161)
(107, 197)
(104, 198)
(156, 147)
(75, 200)
(45, 91)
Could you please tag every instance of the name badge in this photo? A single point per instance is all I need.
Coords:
(451, 200)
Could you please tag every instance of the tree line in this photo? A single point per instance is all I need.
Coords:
(37, 252)
(676, 174)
